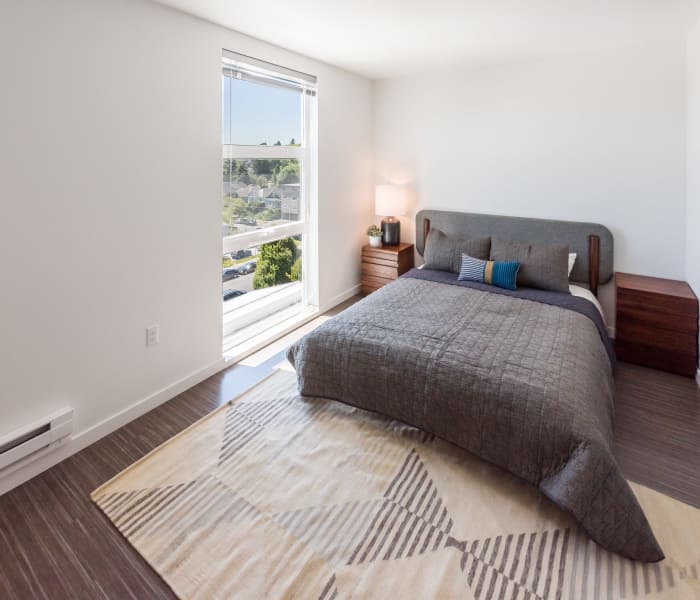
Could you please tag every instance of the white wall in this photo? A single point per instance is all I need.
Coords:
(110, 170)
(599, 138)
(693, 164)
(693, 170)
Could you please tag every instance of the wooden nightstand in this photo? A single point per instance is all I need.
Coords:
(656, 323)
(382, 265)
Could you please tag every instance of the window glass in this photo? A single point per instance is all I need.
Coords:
(260, 193)
(258, 114)
(260, 267)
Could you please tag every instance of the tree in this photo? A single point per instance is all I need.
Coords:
(295, 273)
(275, 263)
(271, 214)
(242, 171)
(289, 173)
(256, 207)
(262, 166)
(239, 208)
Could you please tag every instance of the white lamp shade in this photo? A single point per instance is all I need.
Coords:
(389, 201)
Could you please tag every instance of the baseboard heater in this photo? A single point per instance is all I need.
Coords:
(40, 436)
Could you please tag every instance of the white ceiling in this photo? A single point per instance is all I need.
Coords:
(389, 38)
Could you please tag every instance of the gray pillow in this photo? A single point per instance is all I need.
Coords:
(444, 253)
(543, 267)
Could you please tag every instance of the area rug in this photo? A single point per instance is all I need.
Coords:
(278, 496)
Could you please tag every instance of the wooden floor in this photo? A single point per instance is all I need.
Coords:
(657, 430)
(54, 543)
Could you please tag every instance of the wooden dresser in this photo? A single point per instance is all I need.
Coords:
(382, 265)
(656, 323)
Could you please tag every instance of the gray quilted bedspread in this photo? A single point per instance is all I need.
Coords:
(525, 385)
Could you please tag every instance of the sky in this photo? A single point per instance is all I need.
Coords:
(256, 113)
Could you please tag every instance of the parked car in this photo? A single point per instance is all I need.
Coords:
(241, 254)
(247, 268)
(228, 294)
(230, 274)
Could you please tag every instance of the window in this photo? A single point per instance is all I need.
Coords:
(269, 264)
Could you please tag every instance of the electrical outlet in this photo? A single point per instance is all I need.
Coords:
(152, 335)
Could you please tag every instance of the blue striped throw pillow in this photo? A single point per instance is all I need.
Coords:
(500, 274)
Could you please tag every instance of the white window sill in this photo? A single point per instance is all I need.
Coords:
(277, 326)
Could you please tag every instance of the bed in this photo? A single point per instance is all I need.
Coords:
(522, 379)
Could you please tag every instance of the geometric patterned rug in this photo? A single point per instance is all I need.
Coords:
(278, 496)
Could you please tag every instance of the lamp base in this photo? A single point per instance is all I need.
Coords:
(391, 231)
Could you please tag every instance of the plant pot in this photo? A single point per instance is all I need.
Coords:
(375, 241)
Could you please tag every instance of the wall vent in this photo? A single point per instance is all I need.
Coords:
(26, 441)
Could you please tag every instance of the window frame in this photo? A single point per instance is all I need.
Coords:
(306, 153)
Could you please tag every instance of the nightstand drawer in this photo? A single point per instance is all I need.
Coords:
(379, 253)
(381, 261)
(403, 261)
(647, 302)
(683, 363)
(384, 265)
(379, 271)
(664, 339)
(375, 280)
(656, 323)
(653, 319)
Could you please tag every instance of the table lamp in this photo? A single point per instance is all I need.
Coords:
(390, 202)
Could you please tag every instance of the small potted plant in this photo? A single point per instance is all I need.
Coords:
(375, 236)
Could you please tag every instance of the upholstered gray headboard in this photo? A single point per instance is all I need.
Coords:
(520, 229)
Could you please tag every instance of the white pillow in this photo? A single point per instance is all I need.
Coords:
(572, 260)
(577, 290)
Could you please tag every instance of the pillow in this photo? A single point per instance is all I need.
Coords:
(500, 274)
(544, 267)
(444, 252)
(572, 261)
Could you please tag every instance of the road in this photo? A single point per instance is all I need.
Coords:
(244, 282)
